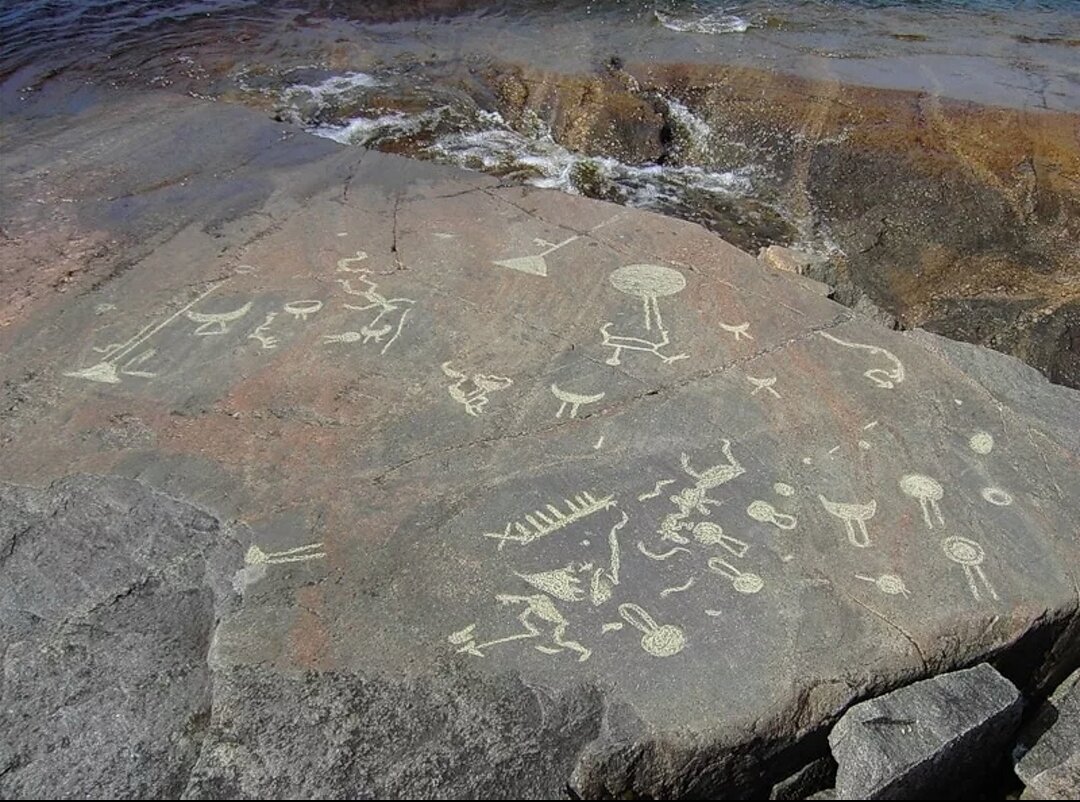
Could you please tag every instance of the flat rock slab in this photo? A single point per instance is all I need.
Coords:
(1049, 762)
(532, 491)
(933, 739)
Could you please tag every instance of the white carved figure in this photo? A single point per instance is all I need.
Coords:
(928, 492)
(267, 341)
(886, 379)
(709, 534)
(659, 641)
(541, 523)
(620, 344)
(970, 555)
(535, 265)
(383, 324)
(649, 283)
(981, 442)
(605, 580)
(742, 581)
(889, 584)
(221, 320)
(764, 384)
(538, 607)
(475, 398)
(853, 515)
(256, 556)
(996, 496)
(301, 309)
(572, 400)
(694, 498)
(765, 512)
(116, 359)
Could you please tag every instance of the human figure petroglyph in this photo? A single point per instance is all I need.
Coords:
(541, 523)
(694, 498)
(886, 379)
(853, 515)
(475, 399)
(538, 607)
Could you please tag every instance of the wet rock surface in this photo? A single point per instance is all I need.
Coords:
(936, 738)
(498, 491)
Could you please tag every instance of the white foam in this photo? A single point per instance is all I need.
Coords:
(334, 85)
(716, 22)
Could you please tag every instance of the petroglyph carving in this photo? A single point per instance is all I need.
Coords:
(664, 555)
(535, 265)
(256, 556)
(970, 555)
(677, 588)
(562, 583)
(604, 581)
(208, 320)
(267, 341)
(116, 361)
(782, 489)
(659, 641)
(709, 534)
(475, 399)
(765, 512)
(694, 498)
(886, 379)
(887, 583)
(997, 496)
(620, 343)
(538, 607)
(928, 492)
(301, 309)
(572, 400)
(383, 323)
(764, 384)
(540, 524)
(853, 515)
(648, 282)
(742, 581)
(343, 265)
(741, 331)
(981, 442)
(655, 492)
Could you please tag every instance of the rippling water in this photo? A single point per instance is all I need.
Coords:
(400, 76)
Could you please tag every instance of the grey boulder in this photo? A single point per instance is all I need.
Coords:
(929, 739)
